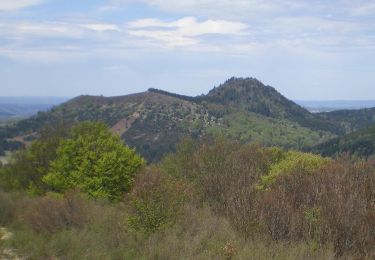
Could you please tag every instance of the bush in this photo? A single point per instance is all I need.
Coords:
(335, 204)
(51, 213)
(292, 161)
(7, 208)
(27, 167)
(226, 173)
(156, 201)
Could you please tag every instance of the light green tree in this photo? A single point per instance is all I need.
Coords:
(95, 161)
(290, 162)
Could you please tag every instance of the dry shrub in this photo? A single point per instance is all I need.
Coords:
(198, 234)
(226, 176)
(156, 200)
(347, 203)
(51, 213)
(7, 208)
(333, 205)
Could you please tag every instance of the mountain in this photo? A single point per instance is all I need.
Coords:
(252, 95)
(154, 121)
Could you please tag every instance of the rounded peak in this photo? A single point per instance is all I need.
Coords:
(241, 79)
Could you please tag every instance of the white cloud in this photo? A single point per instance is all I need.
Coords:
(240, 27)
(185, 31)
(101, 27)
(238, 9)
(56, 41)
(54, 29)
(27, 30)
(13, 5)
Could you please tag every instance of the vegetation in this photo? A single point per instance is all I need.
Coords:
(95, 161)
(203, 202)
(360, 143)
(27, 167)
(235, 186)
(155, 121)
(87, 156)
(351, 120)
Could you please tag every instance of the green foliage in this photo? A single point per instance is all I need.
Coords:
(7, 208)
(153, 122)
(27, 167)
(250, 127)
(95, 161)
(156, 201)
(360, 143)
(290, 162)
(198, 234)
(351, 120)
(202, 203)
(179, 163)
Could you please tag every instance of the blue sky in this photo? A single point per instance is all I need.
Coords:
(306, 49)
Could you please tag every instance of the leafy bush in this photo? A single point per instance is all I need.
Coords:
(292, 161)
(95, 161)
(27, 167)
(156, 201)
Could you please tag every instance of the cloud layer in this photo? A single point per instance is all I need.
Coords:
(14, 5)
(276, 40)
(183, 32)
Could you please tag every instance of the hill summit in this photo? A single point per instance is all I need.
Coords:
(154, 121)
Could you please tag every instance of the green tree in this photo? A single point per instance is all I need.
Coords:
(290, 162)
(27, 167)
(95, 161)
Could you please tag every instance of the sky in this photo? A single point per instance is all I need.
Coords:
(306, 49)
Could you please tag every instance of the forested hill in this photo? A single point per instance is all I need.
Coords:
(252, 95)
(360, 143)
(155, 121)
(351, 120)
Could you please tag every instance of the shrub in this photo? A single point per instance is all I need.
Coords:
(7, 208)
(51, 213)
(292, 161)
(156, 201)
(226, 173)
(335, 204)
(27, 167)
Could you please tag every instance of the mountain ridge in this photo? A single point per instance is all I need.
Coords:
(154, 121)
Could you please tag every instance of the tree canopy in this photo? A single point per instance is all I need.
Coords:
(95, 161)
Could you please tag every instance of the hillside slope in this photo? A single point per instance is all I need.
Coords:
(251, 95)
(360, 143)
(351, 120)
(154, 121)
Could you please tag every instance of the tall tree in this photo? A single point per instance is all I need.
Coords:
(95, 161)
